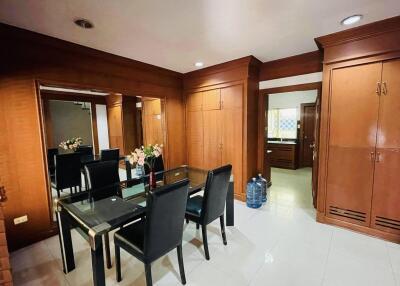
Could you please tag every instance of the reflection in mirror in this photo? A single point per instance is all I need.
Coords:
(153, 122)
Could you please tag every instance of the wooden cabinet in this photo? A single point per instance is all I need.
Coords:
(215, 130)
(362, 184)
(282, 155)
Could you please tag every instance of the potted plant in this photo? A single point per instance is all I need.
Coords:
(146, 156)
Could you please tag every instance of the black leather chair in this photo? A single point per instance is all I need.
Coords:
(204, 210)
(85, 150)
(158, 167)
(102, 180)
(109, 154)
(159, 233)
(51, 152)
(67, 172)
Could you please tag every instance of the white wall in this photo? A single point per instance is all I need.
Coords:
(102, 126)
(292, 99)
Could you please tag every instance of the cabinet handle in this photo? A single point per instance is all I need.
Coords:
(378, 88)
(372, 156)
(378, 157)
(384, 88)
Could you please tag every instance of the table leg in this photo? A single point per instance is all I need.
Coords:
(64, 234)
(96, 249)
(230, 212)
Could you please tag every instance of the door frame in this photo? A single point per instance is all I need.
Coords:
(262, 122)
(301, 139)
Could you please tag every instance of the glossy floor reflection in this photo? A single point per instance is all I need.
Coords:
(279, 244)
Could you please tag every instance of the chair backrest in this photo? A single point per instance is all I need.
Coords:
(166, 208)
(51, 152)
(215, 193)
(85, 150)
(102, 179)
(158, 167)
(110, 154)
(67, 170)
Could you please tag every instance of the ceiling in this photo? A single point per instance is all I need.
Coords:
(175, 34)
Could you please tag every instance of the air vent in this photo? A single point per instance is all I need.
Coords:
(387, 222)
(359, 216)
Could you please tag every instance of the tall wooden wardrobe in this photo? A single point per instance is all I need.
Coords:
(359, 183)
(221, 119)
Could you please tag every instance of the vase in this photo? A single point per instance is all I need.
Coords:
(152, 179)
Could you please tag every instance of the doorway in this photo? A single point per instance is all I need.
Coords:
(290, 137)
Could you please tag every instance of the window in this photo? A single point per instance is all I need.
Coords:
(282, 123)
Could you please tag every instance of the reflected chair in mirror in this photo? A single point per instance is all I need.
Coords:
(67, 172)
(109, 154)
(85, 150)
(158, 168)
(103, 182)
(205, 209)
(159, 233)
(51, 152)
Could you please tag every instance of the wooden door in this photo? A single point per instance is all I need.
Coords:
(194, 101)
(352, 138)
(307, 126)
(315, 149)
(232, 132)
(386, 195)
(195, 136)
(5, 268)
(211, 99)
(267, 151)
(212, 139)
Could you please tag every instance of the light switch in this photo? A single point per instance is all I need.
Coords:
(20, 219)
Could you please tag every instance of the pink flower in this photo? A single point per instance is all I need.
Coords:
(141, 161)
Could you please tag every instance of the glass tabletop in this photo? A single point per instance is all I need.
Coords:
(105, 214)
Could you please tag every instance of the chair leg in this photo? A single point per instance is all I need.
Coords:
(147, 268)
(58, 193)
(222, 222)
(197, 226)
(118, 263)
(187, 220)
(181, 267)
(205, 242)
(107, 249)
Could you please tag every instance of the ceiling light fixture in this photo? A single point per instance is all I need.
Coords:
(83, 23)
(199, 64)
(351, 20)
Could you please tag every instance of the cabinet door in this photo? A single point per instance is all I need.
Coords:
(194, 101)
(386, 196)
(212, 139)
(232, 132)
(354, 107)
(195, 138)
(212, 99)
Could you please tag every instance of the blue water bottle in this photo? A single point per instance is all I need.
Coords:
(253, 194)
(263, 183)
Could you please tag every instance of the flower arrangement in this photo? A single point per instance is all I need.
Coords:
(145, 155)
(71, 144)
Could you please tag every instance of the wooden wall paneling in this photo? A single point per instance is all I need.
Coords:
(152, 122)
(48, 124)
(211, 99)
(95, 133)
(115, 121)
(352, 148)
(176, 131)
(194, 101)
(195, 138)
(129, 124)
(5, 267)
(385, 210)
(291, 66)
(23, 164)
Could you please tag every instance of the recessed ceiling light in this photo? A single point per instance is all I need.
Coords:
(199, 64)
(351, 20)
(83, 23)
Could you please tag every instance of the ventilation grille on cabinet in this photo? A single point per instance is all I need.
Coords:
(387, 222)
(360, 216)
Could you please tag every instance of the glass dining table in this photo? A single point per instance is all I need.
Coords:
(93, 218)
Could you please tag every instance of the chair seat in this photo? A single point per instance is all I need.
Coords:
(194, 204)
(131, 237)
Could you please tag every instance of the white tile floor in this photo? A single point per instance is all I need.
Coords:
(279, 244)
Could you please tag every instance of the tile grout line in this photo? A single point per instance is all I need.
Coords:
(327, 258)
